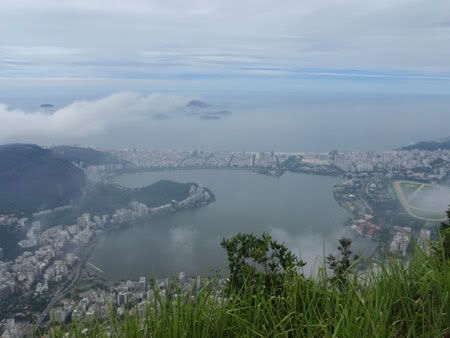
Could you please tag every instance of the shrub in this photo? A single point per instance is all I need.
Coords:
(259, 261)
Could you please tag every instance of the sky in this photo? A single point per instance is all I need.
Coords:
(165, 39)
(241, 55)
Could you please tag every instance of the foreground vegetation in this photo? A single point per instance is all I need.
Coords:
(267, 296)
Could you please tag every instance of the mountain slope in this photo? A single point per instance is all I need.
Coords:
(87, 156)
(32, 178)
(429, 145)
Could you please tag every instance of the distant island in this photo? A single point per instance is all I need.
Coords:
(196, 107)
(197, 104)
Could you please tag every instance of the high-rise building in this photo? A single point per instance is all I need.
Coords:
(122, 298)
(424, 238)
(142, 284)
(182, 277)
(59, 314)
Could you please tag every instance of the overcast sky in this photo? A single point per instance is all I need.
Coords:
(212, 50)
(154, 39)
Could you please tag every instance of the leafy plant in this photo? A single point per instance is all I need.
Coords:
(254, 260)
(442, 247)
(343, 264)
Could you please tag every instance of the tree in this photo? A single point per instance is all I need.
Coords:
(254, 261)
(385, 235)
(343, 264)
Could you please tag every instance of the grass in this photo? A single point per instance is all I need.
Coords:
(389, 300)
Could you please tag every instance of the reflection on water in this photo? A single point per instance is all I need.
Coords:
(296, 208)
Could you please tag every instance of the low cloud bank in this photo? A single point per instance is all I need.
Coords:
(87, 117)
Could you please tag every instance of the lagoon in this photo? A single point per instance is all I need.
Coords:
(297, 209)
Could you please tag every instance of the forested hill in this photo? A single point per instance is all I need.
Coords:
(100, 198)
(430, 145)
(106, 198)
(33, 178)
(87, 156)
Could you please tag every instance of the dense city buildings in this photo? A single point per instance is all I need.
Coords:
(133, 295)
(415, 164)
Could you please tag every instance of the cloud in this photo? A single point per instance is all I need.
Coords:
(311, 248)
(157, 38)
(86, 118)
(182, 240)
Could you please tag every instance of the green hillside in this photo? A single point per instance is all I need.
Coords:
(33, 178)
(429, 145)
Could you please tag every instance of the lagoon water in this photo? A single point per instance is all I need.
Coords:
(298, 209)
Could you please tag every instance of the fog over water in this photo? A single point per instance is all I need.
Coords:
(296, 209)
(285, 122)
